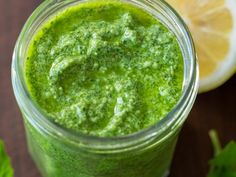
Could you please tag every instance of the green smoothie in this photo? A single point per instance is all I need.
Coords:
(104, 68)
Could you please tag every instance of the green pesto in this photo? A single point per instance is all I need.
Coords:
(105, 68)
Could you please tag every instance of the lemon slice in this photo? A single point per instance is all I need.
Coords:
(213, 27)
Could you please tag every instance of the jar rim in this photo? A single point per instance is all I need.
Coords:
(41, 120)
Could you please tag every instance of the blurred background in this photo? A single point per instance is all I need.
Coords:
(212, 110)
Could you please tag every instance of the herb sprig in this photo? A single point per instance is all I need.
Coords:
(224, 162)
(6, 169)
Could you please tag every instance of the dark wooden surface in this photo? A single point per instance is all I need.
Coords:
(215, 109)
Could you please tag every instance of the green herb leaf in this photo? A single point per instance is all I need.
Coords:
(224, 162)
(6, 169)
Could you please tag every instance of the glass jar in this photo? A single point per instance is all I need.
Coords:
(59, 152)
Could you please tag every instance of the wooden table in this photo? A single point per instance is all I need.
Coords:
(215, 109)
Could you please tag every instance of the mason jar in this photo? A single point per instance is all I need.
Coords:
(59, 152)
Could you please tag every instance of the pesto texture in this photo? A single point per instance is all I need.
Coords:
(105, 68)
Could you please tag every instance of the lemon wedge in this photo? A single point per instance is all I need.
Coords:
(213, 27)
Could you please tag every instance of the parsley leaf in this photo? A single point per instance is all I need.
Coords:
(6, 169)
(224, 162)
